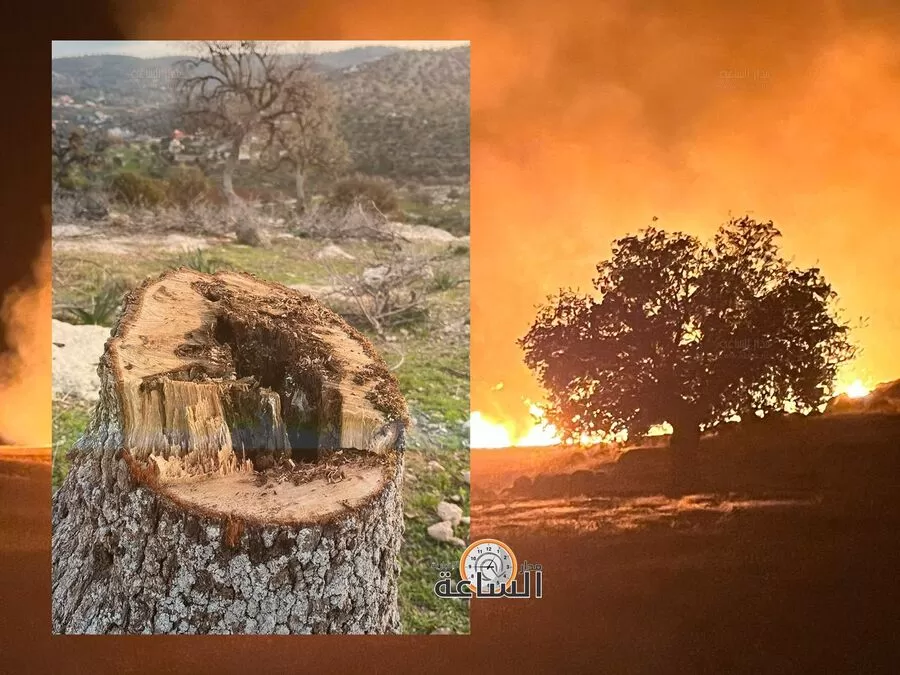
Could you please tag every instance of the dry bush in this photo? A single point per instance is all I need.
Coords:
(336, 224)
(369, 192)
(188, 185)
(135, 189)
(397, 289)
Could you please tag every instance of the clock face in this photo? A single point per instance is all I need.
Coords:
(493, 559)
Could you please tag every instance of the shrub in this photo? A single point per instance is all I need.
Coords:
(135, 189)
(421, 197)
(364, 190)
(187, 185)
(101, 307)
(200, 261)
(443, 281)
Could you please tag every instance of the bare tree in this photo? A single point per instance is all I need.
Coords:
(232, 89)
(307, 139)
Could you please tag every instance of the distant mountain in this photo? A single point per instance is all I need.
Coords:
(347, 58)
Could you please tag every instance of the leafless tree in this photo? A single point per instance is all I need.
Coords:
(307, 139)
(233, 89)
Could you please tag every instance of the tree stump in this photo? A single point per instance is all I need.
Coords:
(241, 472)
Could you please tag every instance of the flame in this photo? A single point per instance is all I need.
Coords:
(856, 389)
(484, 433)
(25, 416)
(488, 433)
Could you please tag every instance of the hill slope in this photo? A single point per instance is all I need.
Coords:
(407, 115)
(404, 113)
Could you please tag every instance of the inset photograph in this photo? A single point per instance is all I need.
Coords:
(260, 336)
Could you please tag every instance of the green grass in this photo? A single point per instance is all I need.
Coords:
(292, 263)
(434, 379)
(452, 216)
(422, 557)
(69, 422)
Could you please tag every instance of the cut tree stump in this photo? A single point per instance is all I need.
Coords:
(241, 472)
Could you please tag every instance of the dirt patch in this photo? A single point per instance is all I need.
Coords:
(78, 238)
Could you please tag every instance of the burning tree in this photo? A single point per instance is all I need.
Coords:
(688, 333)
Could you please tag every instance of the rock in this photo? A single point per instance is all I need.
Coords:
(435, 466)
(374, 275)
(442, 631)
(442, 531)
(420, 232)
(252, 236)
(466, 475)
(332, 251)
(91, 208)
(76, 351)
(450, 513)
(456, 498)
(117, 219)
(465, 520)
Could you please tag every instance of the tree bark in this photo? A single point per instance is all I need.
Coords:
(300, 184)
(231, 163)
(241, 472)
(685, 446)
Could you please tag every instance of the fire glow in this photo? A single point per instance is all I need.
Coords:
(488, 433)
(856, 389)
(485, 432)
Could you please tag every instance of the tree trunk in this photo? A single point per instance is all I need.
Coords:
(241, 472)
(685, 446)
(300, 183)
(231, 163)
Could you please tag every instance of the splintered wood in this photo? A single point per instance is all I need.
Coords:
(220, 376)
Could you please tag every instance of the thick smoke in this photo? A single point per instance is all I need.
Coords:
(590, 118)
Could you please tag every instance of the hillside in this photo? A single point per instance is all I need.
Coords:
(404, 113)
(407, 115)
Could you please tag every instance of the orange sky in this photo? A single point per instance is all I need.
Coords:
(620, 117)
(590, 119)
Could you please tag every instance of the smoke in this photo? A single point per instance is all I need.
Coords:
(25, 365)
(589, 119)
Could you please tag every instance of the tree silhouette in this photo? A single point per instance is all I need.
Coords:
(688, 333)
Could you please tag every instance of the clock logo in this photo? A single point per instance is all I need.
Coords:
(493, 559)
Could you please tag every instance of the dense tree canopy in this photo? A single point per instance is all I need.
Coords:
(689, 333)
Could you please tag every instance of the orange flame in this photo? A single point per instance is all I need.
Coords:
(25, 417)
